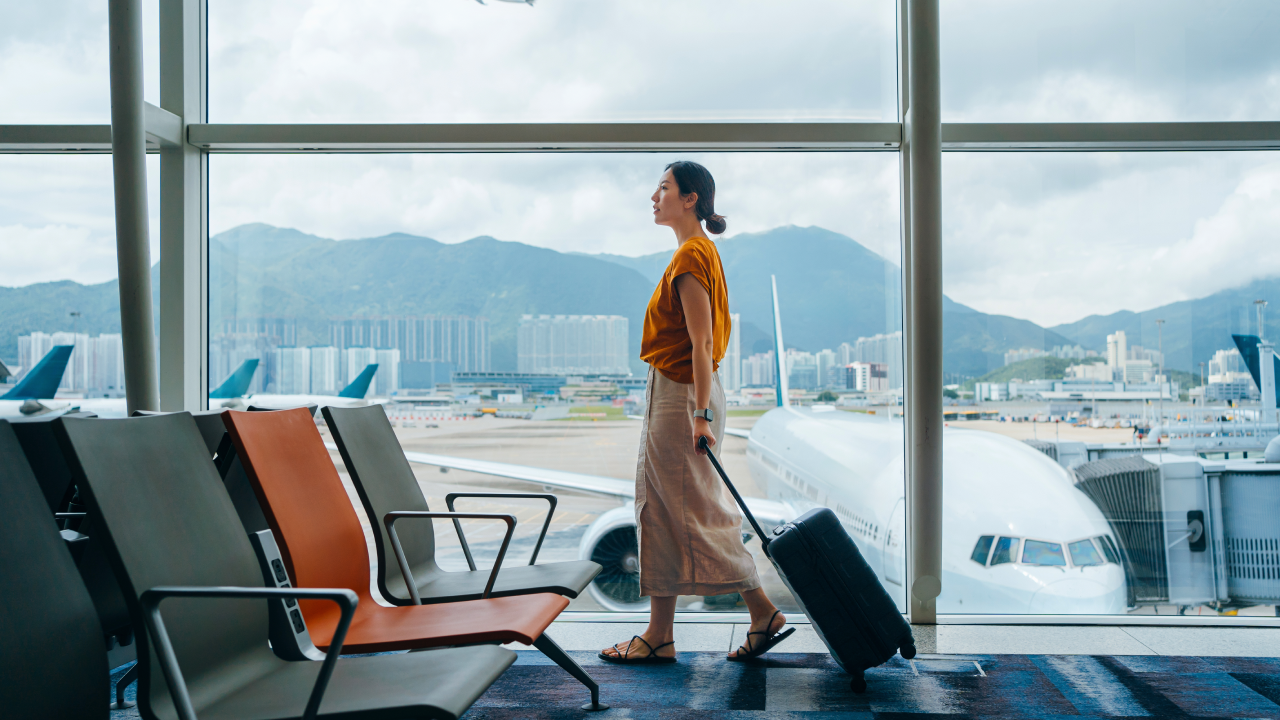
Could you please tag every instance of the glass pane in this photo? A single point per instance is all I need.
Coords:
(1038, 552)
(482, 279)
(1084, 552)
(982, 549)
(1006, 551)
(1102, 60)
(54, 66)
(1101, 343)
(558, 61)
(57, 278)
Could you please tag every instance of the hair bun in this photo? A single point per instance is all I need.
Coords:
(716, 224)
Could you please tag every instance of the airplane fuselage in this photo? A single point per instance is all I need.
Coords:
(993, 487)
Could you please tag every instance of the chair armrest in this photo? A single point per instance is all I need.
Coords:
(389, 520)
(150, 601)
(546, 524)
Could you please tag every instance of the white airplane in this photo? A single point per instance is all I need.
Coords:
(1018, 537)
(352, 395)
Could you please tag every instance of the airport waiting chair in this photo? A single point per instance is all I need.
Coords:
(48, 464)
(320, 538)
(172, 533)
(53, 663)
(385, 483)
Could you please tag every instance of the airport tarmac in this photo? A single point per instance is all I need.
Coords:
(607, 449)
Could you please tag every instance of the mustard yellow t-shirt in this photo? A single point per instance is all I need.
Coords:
(666, 344)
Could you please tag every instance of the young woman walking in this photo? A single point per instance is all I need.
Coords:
(689, 528)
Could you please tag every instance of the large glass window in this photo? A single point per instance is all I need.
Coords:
(57, 276)
(1101, 60)
(558, 61)
(1102, 311)
(454, 270)
(53, 61)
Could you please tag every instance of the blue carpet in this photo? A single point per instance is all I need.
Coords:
(785, 686)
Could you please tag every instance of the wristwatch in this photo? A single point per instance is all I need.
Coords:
(705, 413)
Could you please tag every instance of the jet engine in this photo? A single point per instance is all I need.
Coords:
(611, 541)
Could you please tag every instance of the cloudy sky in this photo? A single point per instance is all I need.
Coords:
(1049, 237)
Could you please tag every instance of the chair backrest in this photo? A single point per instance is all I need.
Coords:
(53, 662)
(307, 507)
(35, 434)
(168, 521)
(49, 464)
(385, 482)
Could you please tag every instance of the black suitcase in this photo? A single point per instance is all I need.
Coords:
(836, 589)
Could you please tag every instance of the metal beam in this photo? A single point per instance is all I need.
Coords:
(922, 304)
(183, 223)
(55, 138)
(129, 163)
(163, 127)
(1060, 137)
(594, 137)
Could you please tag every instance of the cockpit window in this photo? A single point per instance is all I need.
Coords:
(1039, 552)
(1109, 548)
(1084, 552)
(982, 549)
(1006, 551)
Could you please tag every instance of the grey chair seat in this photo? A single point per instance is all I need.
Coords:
(567, 578)
(436, 684)
(385, 483)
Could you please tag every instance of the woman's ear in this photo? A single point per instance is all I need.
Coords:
(690, 201)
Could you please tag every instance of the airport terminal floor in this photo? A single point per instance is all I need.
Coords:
(962, 671)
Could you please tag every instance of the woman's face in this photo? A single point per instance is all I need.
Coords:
(668, 207)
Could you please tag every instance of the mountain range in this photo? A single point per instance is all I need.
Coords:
(831, 290)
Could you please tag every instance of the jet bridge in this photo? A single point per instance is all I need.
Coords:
(1192, 531)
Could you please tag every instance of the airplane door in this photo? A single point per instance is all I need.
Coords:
(892, 550)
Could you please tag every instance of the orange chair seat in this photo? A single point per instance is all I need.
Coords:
(322, 545)
(377, 628)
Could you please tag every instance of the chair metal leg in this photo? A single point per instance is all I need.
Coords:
(129, 676)
(553, 651)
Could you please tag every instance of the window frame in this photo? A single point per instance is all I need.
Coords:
(178, 130)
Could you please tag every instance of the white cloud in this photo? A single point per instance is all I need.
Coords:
(1056, 237)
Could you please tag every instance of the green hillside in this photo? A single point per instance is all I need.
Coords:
(832, 290)
(1041, 368)
(1194, 329)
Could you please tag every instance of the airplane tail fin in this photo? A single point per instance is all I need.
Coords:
(43, 380)
(782, 386)
(360, 386)
(1248, 347)
(238, 383)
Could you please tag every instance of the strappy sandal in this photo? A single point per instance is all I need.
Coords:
(765, 645)
(624, 658)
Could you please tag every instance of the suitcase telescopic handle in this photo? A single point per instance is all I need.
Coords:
(764, 539)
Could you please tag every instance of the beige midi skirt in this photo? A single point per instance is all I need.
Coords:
(690, 529)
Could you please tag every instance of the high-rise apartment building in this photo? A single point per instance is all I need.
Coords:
(867, 376)
(573, 345)
(731, 367)
(885, 349)
(96, 365)
(292, 371)
(354, 361)
(387, 380)
(457, 339)
(325, 368)
(250, 338)
(758, 370)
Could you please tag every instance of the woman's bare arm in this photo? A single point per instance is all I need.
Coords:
(697, 318)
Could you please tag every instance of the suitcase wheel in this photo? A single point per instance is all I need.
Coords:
(858, 683)
(908, 651)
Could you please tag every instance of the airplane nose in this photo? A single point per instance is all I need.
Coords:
(1073, 596)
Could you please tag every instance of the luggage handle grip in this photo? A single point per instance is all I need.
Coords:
(764, 538)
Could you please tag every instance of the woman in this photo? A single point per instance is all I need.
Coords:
(689, 529)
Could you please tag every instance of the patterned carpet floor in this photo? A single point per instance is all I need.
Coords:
(784, 686)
